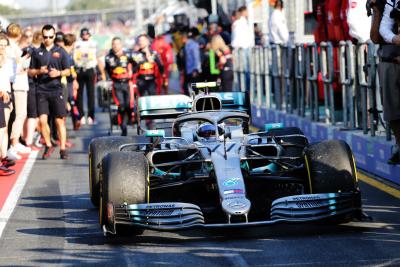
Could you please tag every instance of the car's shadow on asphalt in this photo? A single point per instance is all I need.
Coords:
(201, 243)
(81, 226)
(80, 218)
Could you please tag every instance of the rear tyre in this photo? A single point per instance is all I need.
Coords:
(98, 148)
(124, 179)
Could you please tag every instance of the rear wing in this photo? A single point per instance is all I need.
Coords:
(238, 101)
(163, 106)
(203, 86)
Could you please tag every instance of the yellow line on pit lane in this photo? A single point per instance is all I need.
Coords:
(381, 186)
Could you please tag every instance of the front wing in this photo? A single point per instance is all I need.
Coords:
(172, 216)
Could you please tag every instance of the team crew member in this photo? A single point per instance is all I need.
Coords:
(72, 83)
(32, 113)
(164, 49)
(49, 63)
(147, 61)
(85, 56)
(118, 64)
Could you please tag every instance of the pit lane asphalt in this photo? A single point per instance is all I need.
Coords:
(54, 223)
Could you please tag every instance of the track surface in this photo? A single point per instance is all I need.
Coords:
(54, 223)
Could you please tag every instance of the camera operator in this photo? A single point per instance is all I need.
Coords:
(385, 14)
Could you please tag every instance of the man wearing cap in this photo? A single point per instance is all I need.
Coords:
(85, 57)
(59, 40)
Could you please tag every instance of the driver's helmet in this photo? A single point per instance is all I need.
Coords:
(206, 130)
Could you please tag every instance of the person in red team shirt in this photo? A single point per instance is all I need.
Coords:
(336, 15)
(164, 49)
(331, 16)
(320, 31)
(148, 67)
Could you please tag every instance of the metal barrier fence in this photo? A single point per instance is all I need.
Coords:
(334, 85)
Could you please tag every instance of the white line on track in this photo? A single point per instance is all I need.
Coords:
(16, 191)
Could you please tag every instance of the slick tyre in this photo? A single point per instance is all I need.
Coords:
(124, 179)
(98, 148)
(330, 167)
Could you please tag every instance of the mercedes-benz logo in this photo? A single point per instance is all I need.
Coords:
(236, 204)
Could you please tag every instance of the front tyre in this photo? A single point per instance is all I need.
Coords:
(124, 179)
(330, 167)
(98, 148)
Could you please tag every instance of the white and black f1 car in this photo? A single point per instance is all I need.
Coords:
(211, 172)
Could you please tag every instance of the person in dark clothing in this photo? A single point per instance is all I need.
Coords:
(118, 65)
(147, 61)
(72, 83)
(385, 32)
(192, 61)
(58, 41)
(224, 62)
(49, 63)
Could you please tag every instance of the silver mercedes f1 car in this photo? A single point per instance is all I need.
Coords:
(210, 171)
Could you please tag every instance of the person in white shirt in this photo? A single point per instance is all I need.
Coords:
(278, 30)
(20, 91)
(85, 57)
(242, 32)
(387, 27)
(389, 70)
(7, 76)
(358, 20)
(243, 38)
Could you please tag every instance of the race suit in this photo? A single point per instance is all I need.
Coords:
(145, 71)
(119, 68)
